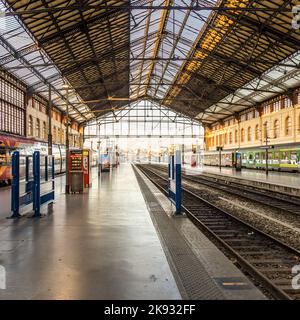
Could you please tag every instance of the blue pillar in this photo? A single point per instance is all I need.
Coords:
(46, 168)
(36, 184)
(53, 176)
(178, 181)
(174, 171)
(27, 168)
(170, 168)
(15, 186)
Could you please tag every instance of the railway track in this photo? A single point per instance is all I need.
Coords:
(267, 260)
(261, 196)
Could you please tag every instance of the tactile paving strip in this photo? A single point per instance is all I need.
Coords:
(193, 280)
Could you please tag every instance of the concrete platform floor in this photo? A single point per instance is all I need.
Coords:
(98, 245)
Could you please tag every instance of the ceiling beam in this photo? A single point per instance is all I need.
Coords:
(159, 39)
(266, 29)
(196, 7)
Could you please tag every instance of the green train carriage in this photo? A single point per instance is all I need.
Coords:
(278, 159)
(281, 159)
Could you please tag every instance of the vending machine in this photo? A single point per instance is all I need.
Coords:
(87, 167)
(75, 171)
(79, 169)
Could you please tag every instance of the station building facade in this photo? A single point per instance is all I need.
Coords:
(27, 115)
(37, 124)
(274, 122)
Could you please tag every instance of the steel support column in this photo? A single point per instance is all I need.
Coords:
(50, 122)
(67, 142)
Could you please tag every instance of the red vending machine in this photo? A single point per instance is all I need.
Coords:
(87, 167)
(80, 165)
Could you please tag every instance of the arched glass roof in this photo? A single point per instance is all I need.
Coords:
(205, 59)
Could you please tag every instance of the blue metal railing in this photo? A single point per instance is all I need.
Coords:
(32, 193)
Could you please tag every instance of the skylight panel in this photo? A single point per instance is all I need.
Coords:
(173, 44)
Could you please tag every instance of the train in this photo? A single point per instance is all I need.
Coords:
(10, 143)
(26, 146)
(283, 158)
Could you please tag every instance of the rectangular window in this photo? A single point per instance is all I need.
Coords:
(287, 102)
(42, 107)
(250, 115)
(276, 106)
(267, 109)
(12, 109)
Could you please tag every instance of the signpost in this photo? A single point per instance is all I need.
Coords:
(238, 161)
(175, 180)
(267, 148)
(220, 149)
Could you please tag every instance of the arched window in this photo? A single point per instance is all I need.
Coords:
(257, 132)
(235, 136)
(30, 126)
(38, 128)
(226, 138)
(220, 140)
(276, 129)
(44, 131)
(242, 135)
(230, 137)
(58, 136)
(54, 134)
(249, 134)
(62, 136)
(266, 130)
(288, 126)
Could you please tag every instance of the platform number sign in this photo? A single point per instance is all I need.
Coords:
(296, 17)
(2, 278)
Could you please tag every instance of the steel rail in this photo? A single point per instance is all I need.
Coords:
(254, 195)
(272, 288)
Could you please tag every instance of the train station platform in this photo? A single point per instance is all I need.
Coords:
(118, 240)
(283, 182)
(97, 245)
